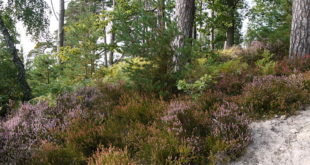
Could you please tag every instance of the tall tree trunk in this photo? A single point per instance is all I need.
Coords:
(111, 56)
(106, 62)
(230, 33)
(161, 15)
(300, 34)
(105, 51)
(61, 23)
(21, 73)
(185, 14)
(212, 30)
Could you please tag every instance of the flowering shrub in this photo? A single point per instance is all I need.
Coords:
(23, 130)
(105, 125)
(83, 136)
(111, 156)
(284, 68)
(31, 124)
(291, 66)
(51, 153)
(231, 84)
(221, 133)
(231, 126)
(271, 95)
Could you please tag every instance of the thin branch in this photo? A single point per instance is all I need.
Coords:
(54, 10)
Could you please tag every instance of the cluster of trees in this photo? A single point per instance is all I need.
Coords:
(98, 33)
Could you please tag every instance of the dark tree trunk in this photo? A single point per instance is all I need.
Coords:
(161, 15)
(230, 33)
(230, 37)
(21, 73)
(185, 15)
(300, 34)
(61, 23)
(111, 58)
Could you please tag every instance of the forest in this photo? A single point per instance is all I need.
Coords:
(130, 82)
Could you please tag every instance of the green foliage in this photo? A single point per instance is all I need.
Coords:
(266, 65)
(235, 67)
(32, 13)
(196, 87)
(154, 46)
(9, 88)
(43, 74)
(114, 73)
(270, 22)
(128, 116)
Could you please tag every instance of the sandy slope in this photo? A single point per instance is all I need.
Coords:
(279, 142)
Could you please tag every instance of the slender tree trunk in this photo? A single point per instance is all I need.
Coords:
(111, 56)
(161, 15)
(195, 31)
(61, 23)
(21, 73)
(212, 36)
(300, 34)
(106, 62)
(105, 51)
(185, 14)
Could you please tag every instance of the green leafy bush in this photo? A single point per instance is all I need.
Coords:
(265, 65)
(197, 87)
(235, 67)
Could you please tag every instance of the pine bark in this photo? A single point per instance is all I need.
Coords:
(185, 15)
(230, 33)
(161, 15)
(61, 24)
(21, 73)
(300, 33)
(230, 37)
(111, 55)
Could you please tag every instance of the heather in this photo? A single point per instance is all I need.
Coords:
(115, 122)
(146, 81)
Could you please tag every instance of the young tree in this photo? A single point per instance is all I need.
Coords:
(61, 23)
(185, 15)
(32, 14)
(300, 33)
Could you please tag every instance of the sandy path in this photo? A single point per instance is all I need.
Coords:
(279, 142)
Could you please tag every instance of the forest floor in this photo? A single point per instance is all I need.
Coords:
(281, 141)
